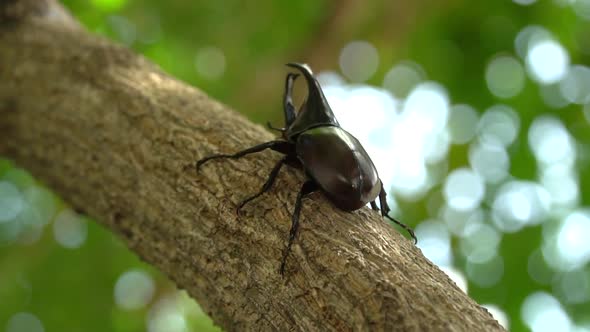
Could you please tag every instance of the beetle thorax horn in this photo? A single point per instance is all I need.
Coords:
(315, 111)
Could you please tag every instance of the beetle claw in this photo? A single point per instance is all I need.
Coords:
(239, 210)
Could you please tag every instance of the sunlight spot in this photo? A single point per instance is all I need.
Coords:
(505, 76)
(24, 322)
(464, 189)
(499, 123)
(359, 61)
(462, 123)
(541, 312)
(11, 201)
(547, 61)
(435, 242)
(210, 62)
(134, 290)
(70, 229)
(402, 78)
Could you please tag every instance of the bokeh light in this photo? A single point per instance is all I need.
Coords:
(479, 243)
(24, 321)
(11, 201)
(464, 189)
(572, 239)
(134, 290)
(505, 76)
(69, 229)
(210, 62)
(547, 61)
(575, 86)
(582, 8)
(462, 123)
(490, 160)
(359, 61)
(125, 30)
(543, 313)
(552, 96)
(520, 203)
(402, 78)
(573, 286)
(486, 274)
(167, 315)
(529, 36)
(499, 124)
(435, 242)
(458, 220)
(550, 141)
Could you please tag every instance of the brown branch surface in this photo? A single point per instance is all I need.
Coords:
(118, 138)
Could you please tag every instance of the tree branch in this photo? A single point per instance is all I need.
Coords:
(118, 139)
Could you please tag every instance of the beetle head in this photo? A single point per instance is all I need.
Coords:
(315, 111)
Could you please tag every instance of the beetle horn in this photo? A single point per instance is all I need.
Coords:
(315, 110)
(315, 91)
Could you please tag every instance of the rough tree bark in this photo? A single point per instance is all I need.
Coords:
(117, 138)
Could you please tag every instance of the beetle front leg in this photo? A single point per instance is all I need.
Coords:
(385, 213)
(279, 146)
(267, 185)
(308, 187)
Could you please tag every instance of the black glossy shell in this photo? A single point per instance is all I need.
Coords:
(337, 161)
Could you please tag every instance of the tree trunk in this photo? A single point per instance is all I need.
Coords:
(118, 139)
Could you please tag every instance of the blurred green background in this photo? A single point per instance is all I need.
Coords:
(476, 114)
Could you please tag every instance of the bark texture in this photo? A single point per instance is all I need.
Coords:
(117, 138)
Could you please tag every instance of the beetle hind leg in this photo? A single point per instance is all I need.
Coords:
(307, 188)
(385, 213)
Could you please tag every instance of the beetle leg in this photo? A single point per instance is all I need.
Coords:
(385, 213)
(279, 146)
(266, 187)
(374, 206)
(288, 106)
(308, 187)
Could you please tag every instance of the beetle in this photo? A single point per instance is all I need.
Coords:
(334, 161)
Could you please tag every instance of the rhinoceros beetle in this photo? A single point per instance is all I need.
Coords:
(335, 161)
